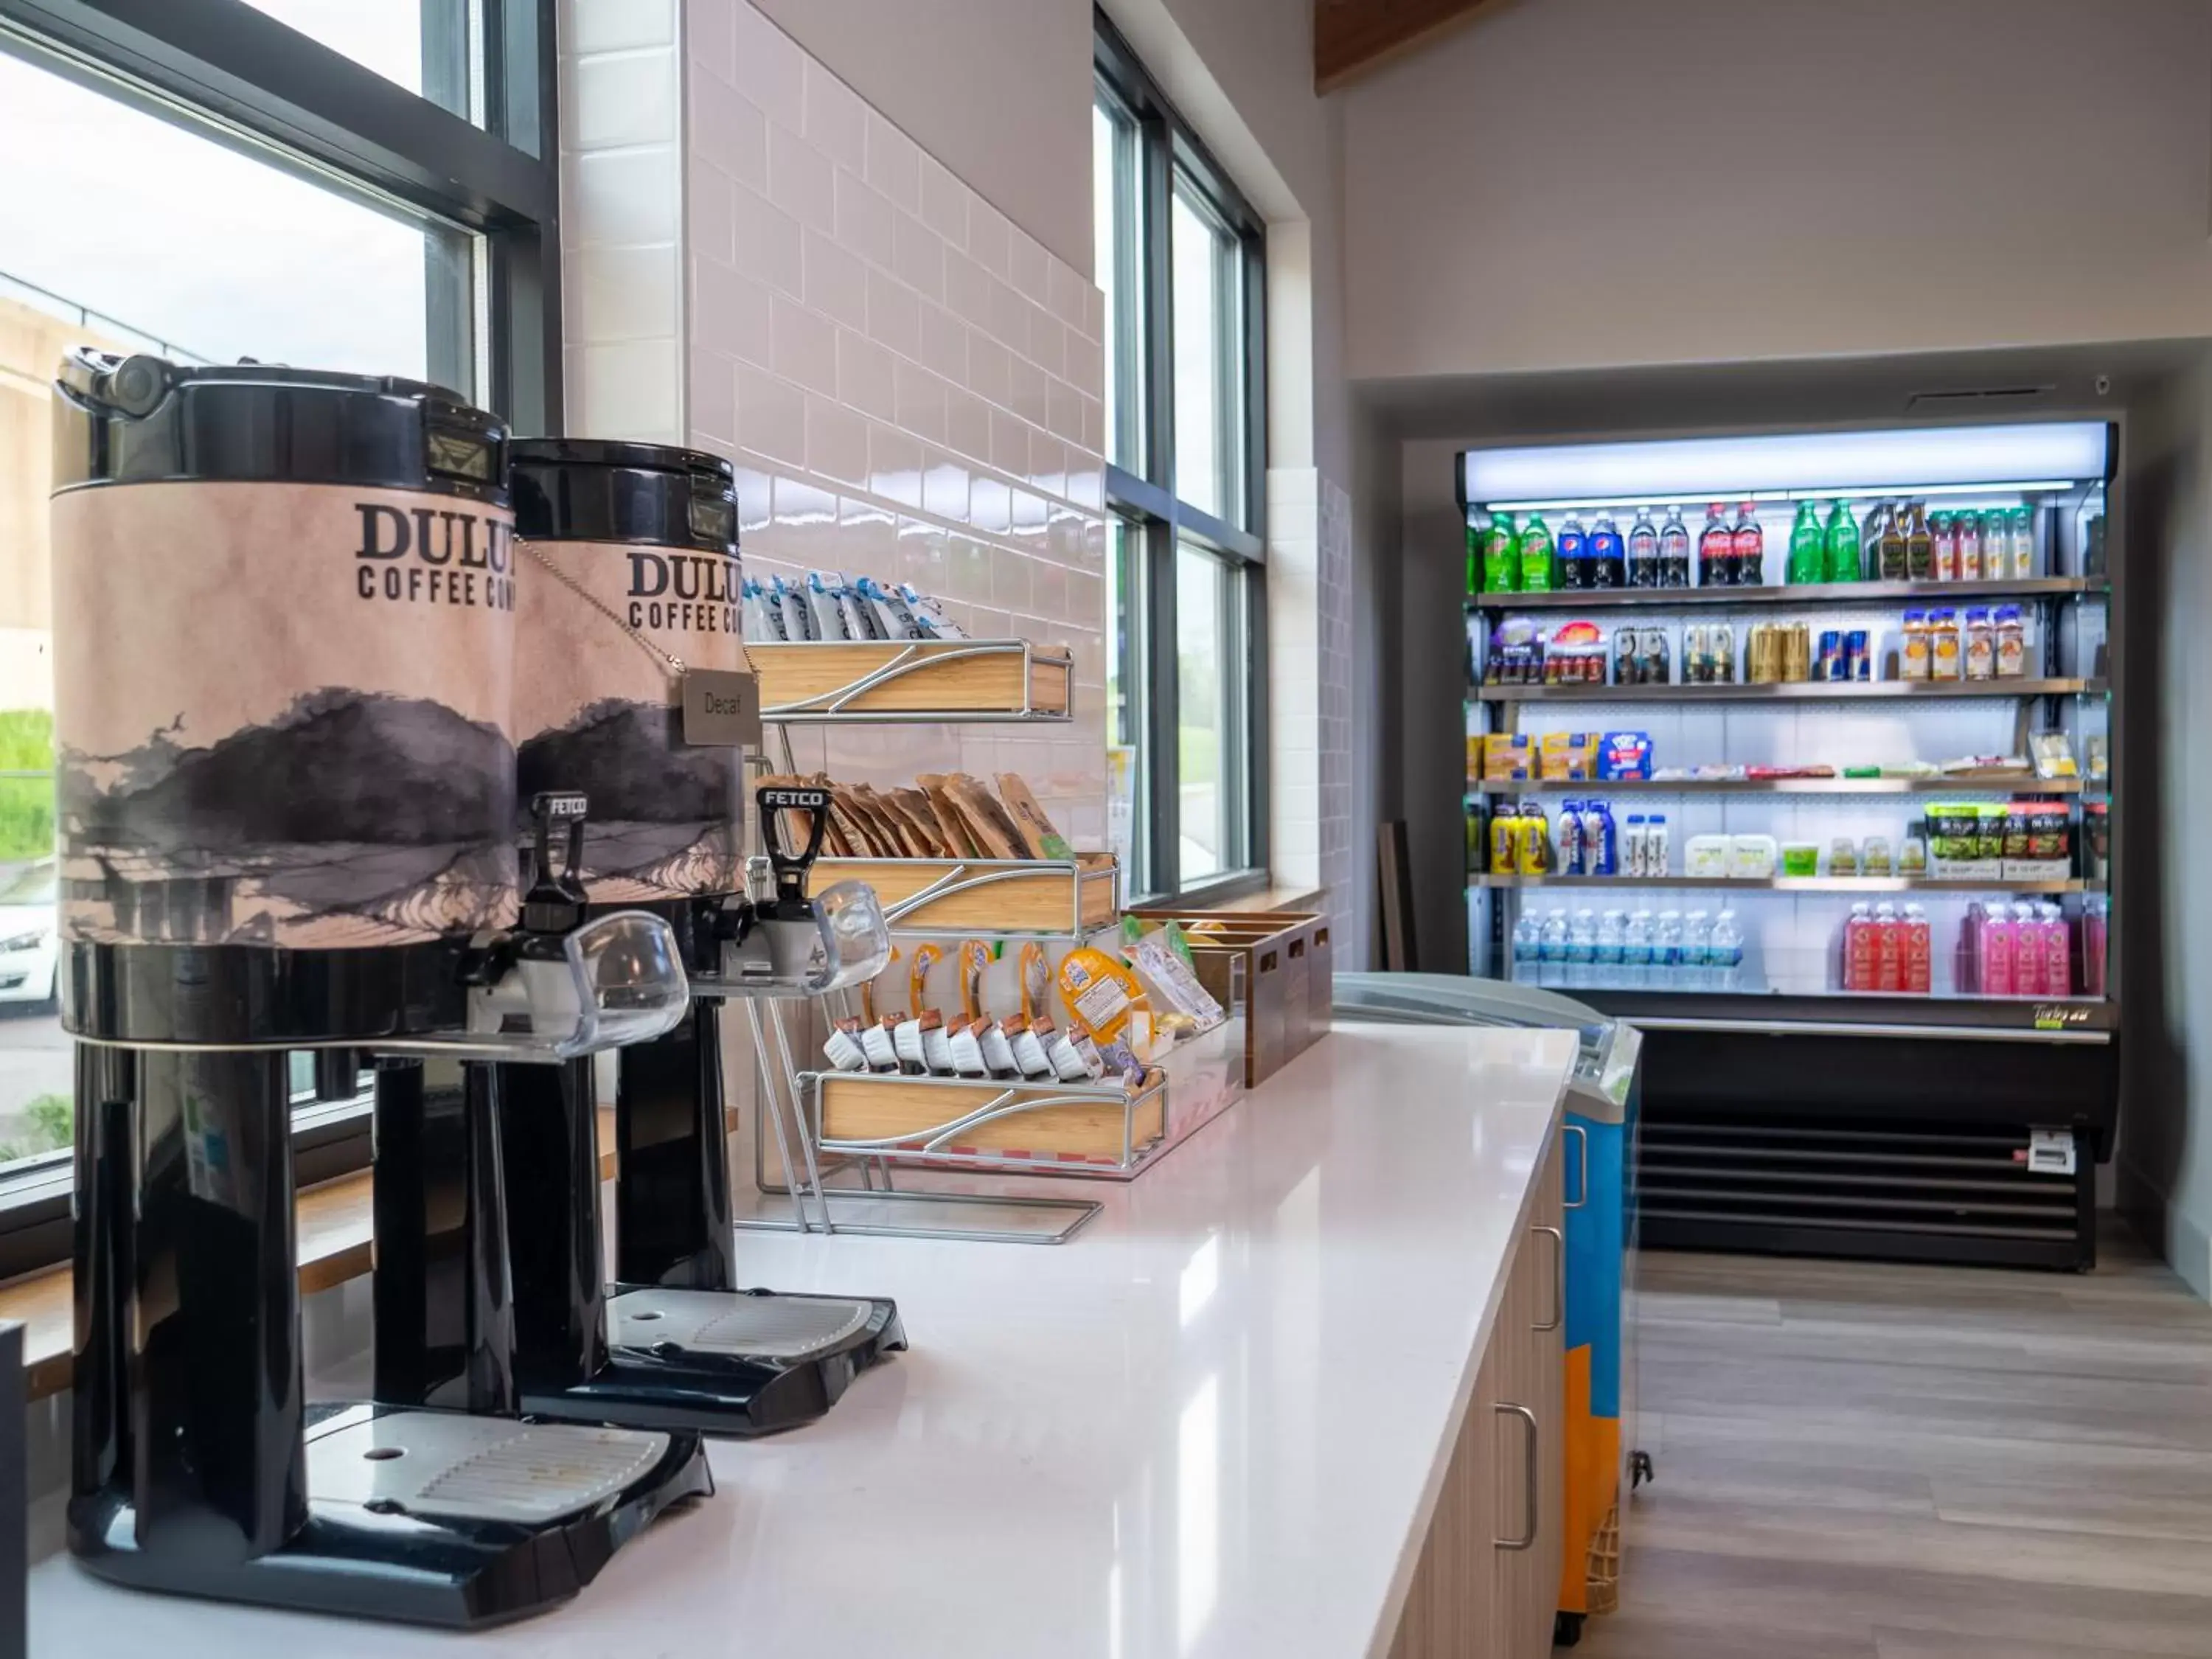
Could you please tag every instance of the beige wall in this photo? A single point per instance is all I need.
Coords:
(1586, 183)
(997, 90)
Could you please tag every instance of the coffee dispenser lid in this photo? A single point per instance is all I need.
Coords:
(591, 489)
(143, 419)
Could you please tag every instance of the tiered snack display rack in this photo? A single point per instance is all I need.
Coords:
(1783, 1110)
(913, 1156)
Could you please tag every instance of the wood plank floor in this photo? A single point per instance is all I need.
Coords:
(1864, 1461)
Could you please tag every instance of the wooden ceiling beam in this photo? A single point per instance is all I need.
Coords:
(1352, 37)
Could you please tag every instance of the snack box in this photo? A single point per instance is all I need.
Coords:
(1511, 755)
(1623, 755)
(1568, 757)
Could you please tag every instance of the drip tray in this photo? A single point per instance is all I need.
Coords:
(780, 1327)
(478, 1468)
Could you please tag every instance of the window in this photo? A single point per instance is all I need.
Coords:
(1180, 259)
(365, 197)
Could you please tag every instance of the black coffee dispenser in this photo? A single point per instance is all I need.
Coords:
(285, 609)
(637, 545)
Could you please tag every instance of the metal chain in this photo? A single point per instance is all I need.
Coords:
(674, 663)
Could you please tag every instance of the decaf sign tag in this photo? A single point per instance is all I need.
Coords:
(721, 708)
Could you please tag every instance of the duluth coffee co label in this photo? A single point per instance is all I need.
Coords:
(435, 556)
(282, 713)
(598, 708)
(683, 594)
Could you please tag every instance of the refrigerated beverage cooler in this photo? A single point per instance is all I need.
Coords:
(1599, 1212)
(1815, 782)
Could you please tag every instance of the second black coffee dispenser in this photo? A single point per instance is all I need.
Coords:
(632, 615)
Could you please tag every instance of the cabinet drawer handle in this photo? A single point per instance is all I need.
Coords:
(1535, 1476)
(1583, 1135)
(1558, 1279)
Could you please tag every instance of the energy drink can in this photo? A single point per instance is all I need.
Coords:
(1627, 659)
(1652, 666)
(1697, 656)
(1797, 653)
(1857, 665)
(1830, 666)
(1721, 641)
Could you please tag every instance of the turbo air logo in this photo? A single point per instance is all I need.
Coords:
(430, 556)
(687, 593)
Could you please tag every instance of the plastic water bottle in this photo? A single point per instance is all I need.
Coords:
(1551, 952)
(1612, 929)
(1582, 950)
(1636, 952)
(1696, 952)
(1528, 949)
(1666, 951)
(1725, 954)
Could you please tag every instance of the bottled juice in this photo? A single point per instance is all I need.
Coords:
(1859, 973)
(1889, 949)
(1535, 560)
(1943, 537)
(1967, 966)
(1995, 964)
(2095, 924)
(1809, 556)
(1715, 551)
(2019, 525)
(1501, 557)
(1749, 546)
(1919, 950)
(2057, 963)
(1967, 530)
(1843, 545)
(1945, 652)
(2026, 952)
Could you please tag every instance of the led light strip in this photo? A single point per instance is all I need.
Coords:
(1934, 495)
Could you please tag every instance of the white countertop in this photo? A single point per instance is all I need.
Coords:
(1212, 1424)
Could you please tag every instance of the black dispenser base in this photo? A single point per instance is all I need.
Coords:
(370, 1557)
(778, 1361)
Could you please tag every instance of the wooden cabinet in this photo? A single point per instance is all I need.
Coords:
(1488, 1581)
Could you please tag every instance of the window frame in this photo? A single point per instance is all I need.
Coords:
(224, 69)
(1160, 520)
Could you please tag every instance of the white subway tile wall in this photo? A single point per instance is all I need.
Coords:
(622, 216)
(1309, 664)
(909, 385)
(1333, 668)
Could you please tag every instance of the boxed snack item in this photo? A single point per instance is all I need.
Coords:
(1752, 857)
(1623, 755)
(1568, 757)
(1965, 842)
(1508, 756)
(2039, 842)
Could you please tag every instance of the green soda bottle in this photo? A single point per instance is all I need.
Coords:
(1808, 555)
(1501, 556)
(1474, 541)
(1843, 540)
(1536, 555)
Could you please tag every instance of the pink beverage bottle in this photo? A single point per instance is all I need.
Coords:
(2026, 951)
(2093, 928)
(1919, 950)
(2057, 960)
(1749, 546)
(1966, 967)
(1996, 952)
(1889, 949)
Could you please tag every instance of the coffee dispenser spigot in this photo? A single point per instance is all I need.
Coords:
(779, 940)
